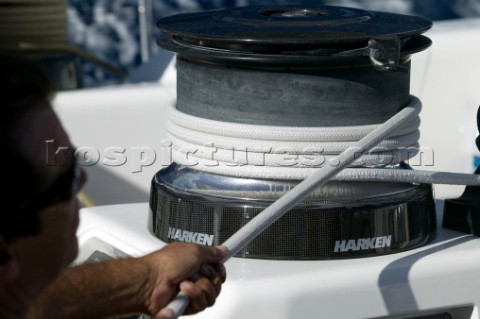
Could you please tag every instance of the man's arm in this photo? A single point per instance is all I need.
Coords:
(135, 285)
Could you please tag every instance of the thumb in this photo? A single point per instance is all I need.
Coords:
(165, 313)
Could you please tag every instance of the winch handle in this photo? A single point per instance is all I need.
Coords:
(179, 304)
(290, 199)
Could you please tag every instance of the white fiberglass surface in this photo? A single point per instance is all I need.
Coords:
(440, 275)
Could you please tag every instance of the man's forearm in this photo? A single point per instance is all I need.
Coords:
(96, 290)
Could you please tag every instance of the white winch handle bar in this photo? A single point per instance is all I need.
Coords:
(273, 212)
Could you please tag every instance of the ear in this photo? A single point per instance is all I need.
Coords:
(9, 269)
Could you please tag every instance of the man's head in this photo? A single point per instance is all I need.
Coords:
(25, 89)
(40, 212)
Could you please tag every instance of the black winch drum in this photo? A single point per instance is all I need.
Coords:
(292, 66)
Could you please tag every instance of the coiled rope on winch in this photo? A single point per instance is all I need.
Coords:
(293, 153)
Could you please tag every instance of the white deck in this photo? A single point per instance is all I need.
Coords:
(445, 274)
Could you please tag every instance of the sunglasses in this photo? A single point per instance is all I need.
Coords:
(64, 188)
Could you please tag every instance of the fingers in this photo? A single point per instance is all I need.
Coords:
(200, 294)
(220, 269)
(197, 270)
(214, 276)
(203, 289)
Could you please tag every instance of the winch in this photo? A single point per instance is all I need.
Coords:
(266, 95)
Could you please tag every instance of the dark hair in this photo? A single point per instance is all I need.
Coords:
(24, 86)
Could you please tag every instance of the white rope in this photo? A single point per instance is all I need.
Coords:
(263, 165)
(194, 137)
(258, 151)
(284, 133)
(294, 153)
(407, 176)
